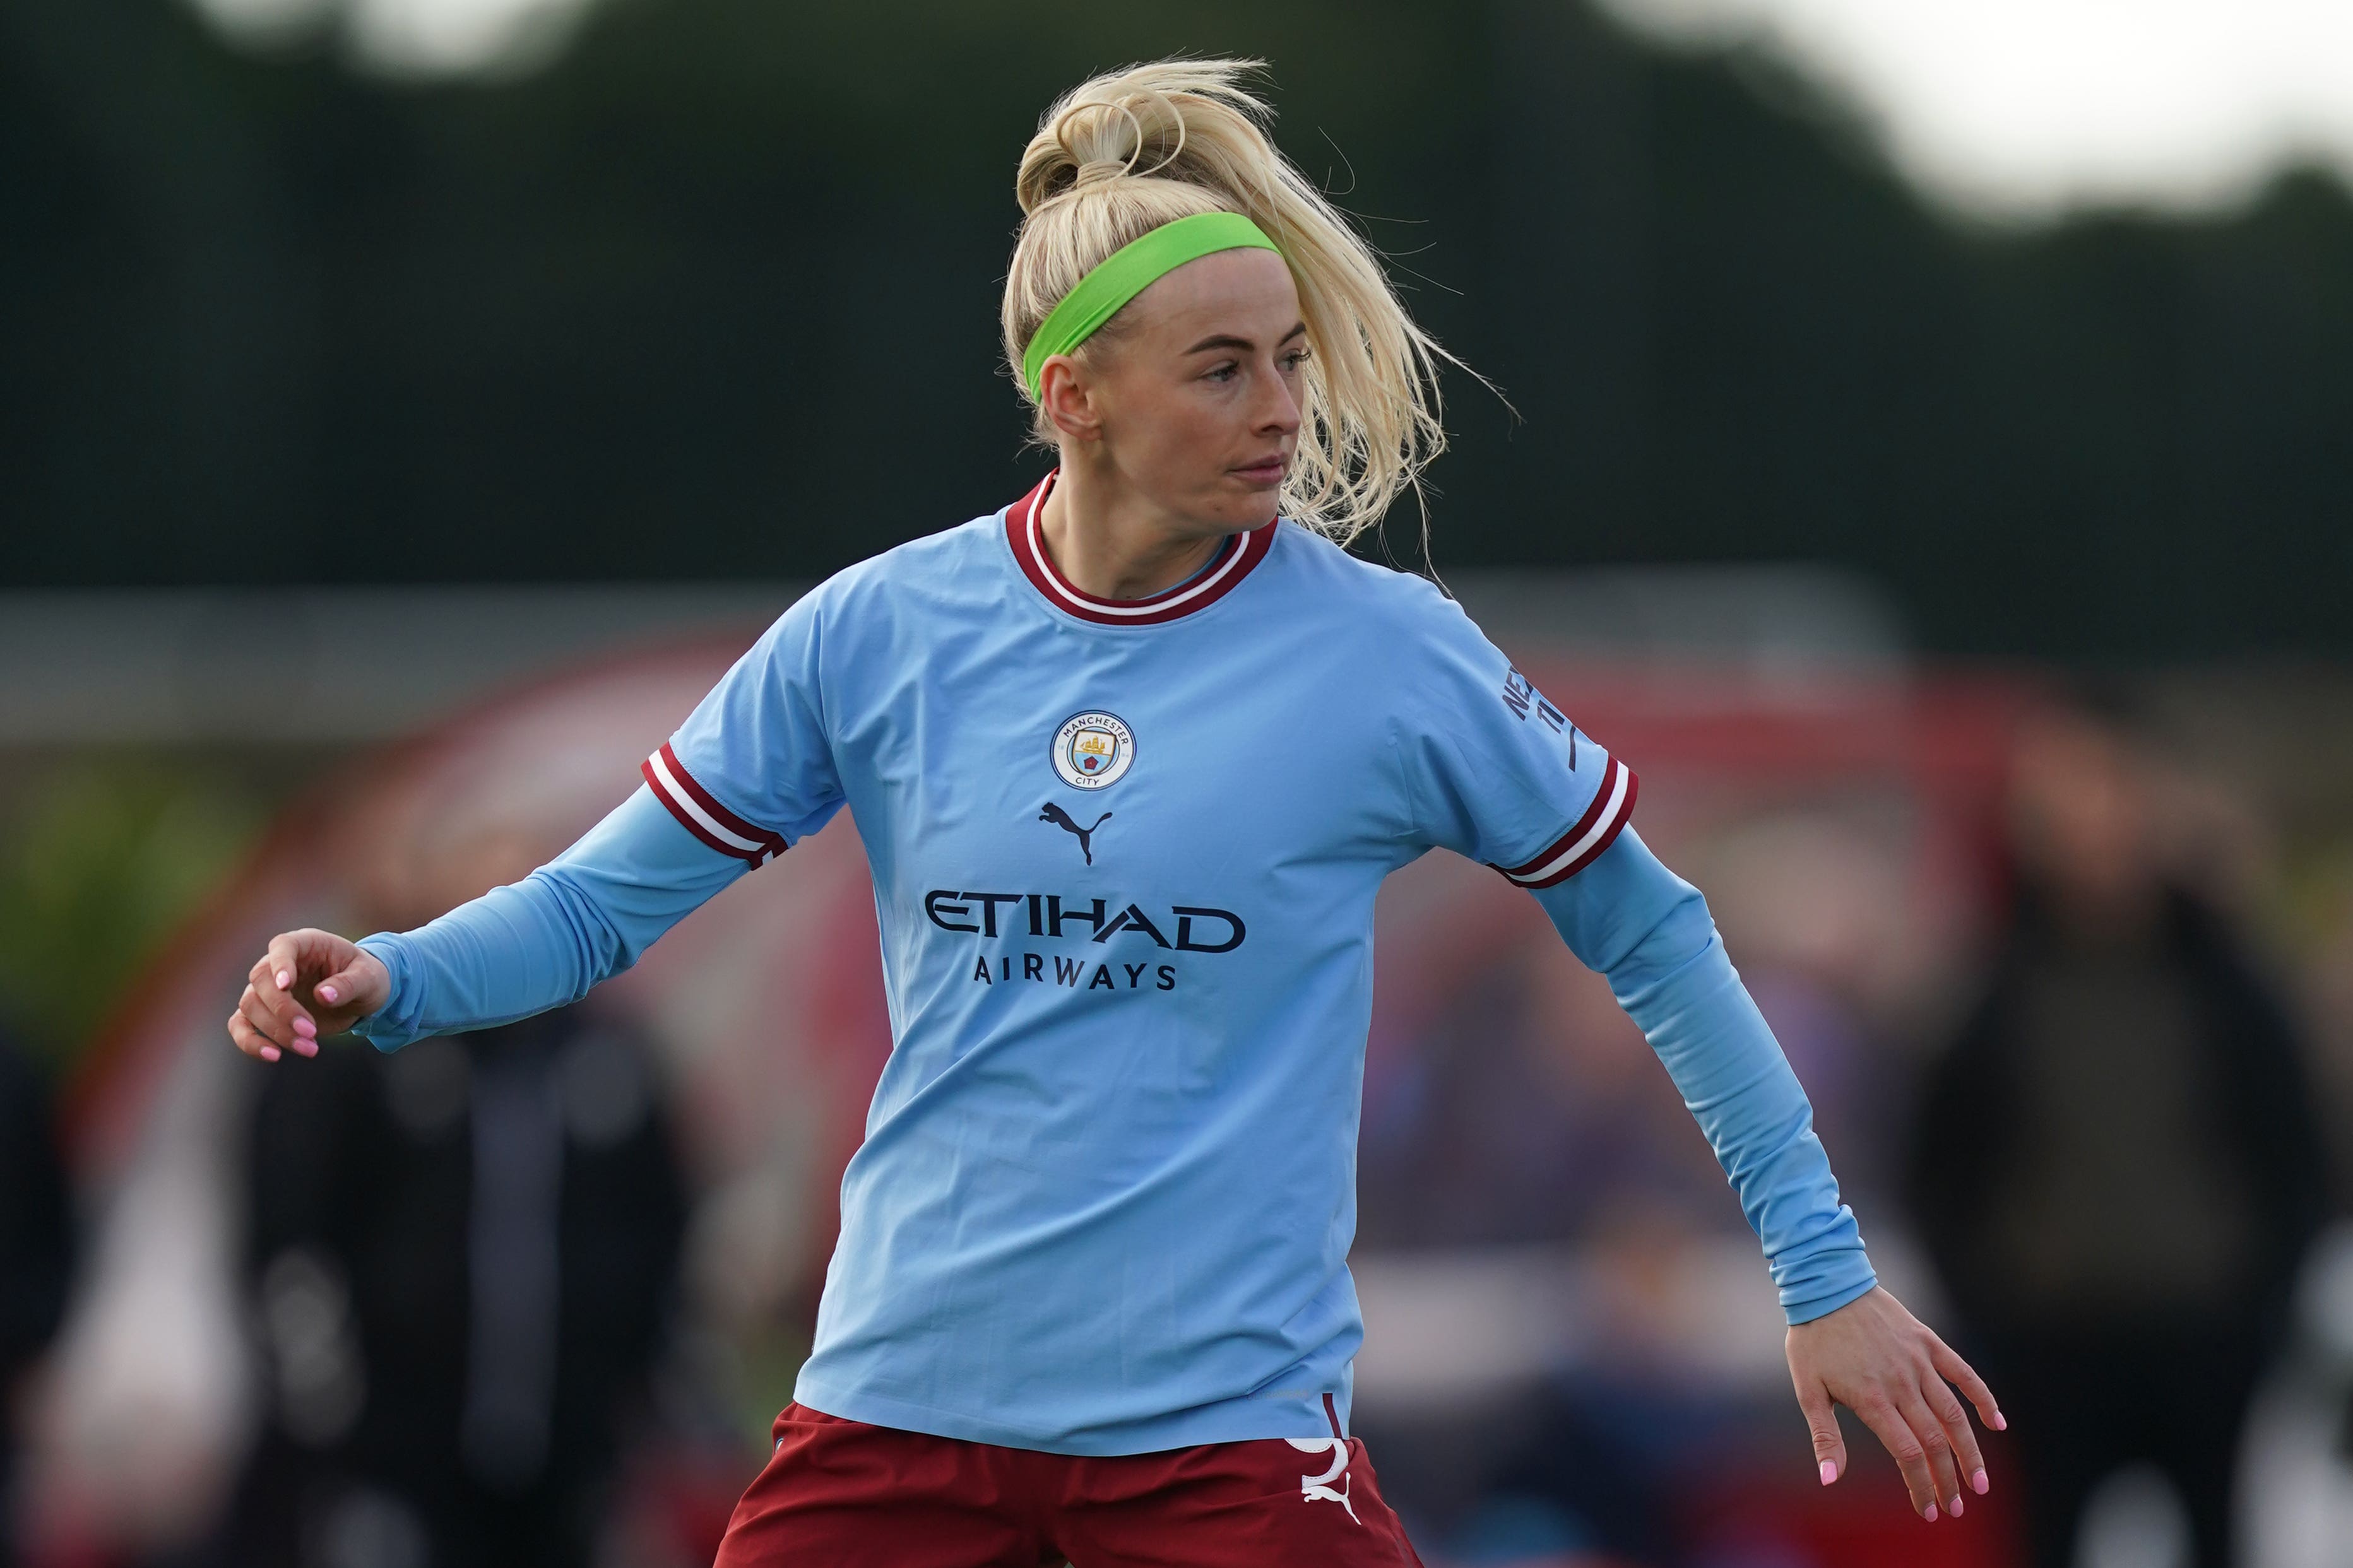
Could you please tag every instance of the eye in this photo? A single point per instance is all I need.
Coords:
(1297, 357)
(1224, 370)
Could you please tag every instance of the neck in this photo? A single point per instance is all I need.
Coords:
(1113, 543)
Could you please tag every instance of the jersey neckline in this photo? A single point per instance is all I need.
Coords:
(1235, 559)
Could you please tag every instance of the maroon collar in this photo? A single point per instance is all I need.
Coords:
(1235, 559)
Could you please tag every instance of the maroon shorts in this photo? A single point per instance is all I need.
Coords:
(848, 1495)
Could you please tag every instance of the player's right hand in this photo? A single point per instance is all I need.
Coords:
(311, 982)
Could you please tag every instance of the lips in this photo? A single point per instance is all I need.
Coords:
(1265, 471)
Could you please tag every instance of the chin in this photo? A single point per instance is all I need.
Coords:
(1227, 508)
(1259, 510)
(1248, 503)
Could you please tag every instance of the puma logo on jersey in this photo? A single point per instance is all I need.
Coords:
(1061, 819)
(1318, 1488)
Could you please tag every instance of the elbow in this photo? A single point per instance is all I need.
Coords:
(1628, 917)
(1681, 933)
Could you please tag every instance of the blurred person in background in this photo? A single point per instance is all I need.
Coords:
(2116, 1168)
(36, 1253)
(1525, 1108)
(461, 1261)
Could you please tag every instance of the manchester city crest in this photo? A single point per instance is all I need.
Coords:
(1093, 751)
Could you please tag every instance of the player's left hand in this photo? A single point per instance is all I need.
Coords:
(1885, 1365)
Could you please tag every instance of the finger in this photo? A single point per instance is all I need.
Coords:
(344, 988)
(1954, 1416)
(284, 961)
(1951, 1366)
(1879, 1413)
(263, 1018)
(1821, 1421)
(250, 1040)
(272, 1025)
(1938, 1447)
(274, 980)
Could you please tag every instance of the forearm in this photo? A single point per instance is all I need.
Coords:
(1649, 932)
(545, 941)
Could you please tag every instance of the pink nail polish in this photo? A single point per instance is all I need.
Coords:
(1930, 1513)
(270, 1053)
(2000, 1422)
(1954, 1508)
(284, 980)
(1829, 1472)
(327, 994)
(1977, 1479)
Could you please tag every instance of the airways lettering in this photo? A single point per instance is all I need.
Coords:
(1069, 972)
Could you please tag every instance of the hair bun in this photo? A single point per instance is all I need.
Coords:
(1099, 169)
(1116, 126)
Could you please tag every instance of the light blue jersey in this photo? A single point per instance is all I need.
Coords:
(1125, 857)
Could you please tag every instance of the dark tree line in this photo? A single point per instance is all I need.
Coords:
(715, 296)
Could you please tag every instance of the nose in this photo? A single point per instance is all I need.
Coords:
(1277, 413)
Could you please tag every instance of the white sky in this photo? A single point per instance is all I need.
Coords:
(2012, 108)
(2004, 108)
(414, 37)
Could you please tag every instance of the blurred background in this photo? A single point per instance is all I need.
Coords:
(1926, 461)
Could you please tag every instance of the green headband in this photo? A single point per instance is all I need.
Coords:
(1129, 271)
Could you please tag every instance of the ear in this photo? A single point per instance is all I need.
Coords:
(1065, 393)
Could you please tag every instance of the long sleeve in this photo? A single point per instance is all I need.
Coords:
(1649, 932)
(543, 942)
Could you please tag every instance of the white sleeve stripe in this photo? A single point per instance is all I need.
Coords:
(681, 803)
(1604, 824)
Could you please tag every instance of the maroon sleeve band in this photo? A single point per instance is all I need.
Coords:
(700, 813)
(1572, 851)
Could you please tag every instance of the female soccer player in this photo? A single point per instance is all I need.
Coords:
(1130, 758)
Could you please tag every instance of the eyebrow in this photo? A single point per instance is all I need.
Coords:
(1226, 340)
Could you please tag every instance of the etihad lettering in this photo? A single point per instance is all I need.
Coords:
(1196, 928)
(1185, 918)
(988, 902)
(1134, 919)
(1056, 914)
(954, 912)
(939, 905)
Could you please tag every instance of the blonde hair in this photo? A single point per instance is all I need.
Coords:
(1127, 152)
